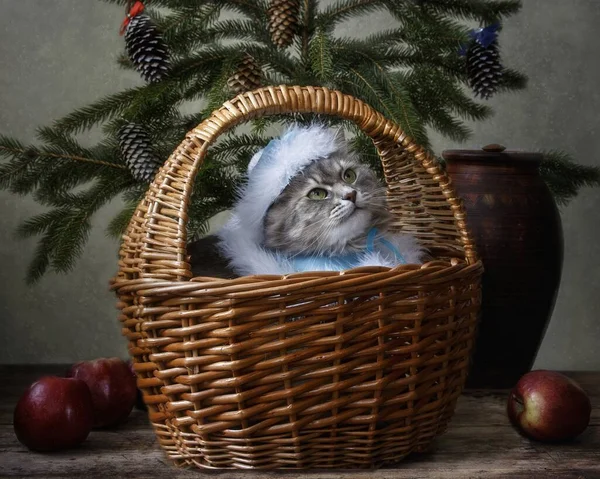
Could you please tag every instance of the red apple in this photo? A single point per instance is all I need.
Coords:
(549, 406)
(112, 386)
(54, 413)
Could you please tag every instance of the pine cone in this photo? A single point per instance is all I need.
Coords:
(247, 76)
(136, 150)
(146, 49)
(484, 70)
(283, 21)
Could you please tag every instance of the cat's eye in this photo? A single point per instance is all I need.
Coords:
(349, 176)
(317, 194)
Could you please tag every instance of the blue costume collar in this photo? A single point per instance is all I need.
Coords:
(372, 236)
(346, 261)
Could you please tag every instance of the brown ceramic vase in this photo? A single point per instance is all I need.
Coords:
(518, 232)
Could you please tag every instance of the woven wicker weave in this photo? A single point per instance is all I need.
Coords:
(312, 370)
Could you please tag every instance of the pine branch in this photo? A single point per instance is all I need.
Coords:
(66, 228)
(20, 164)
(124, 62)
(409, 119)
(512, 80)
(105, 109)
(46, 154)
(387, 93)
(438, 99)
(160, 3)
(321, 56)
(12, 173)
(41, 259)
(200, 87)
(214, 192)
(436, 35)
(68, 239)
(237, 144)
(219, 92)
(213, 56)
(273, 59)
(564, 177)
(307, 31)
(350, 52)
(36, 225)
(255, 9)
(345, 9)
(185, 29)
(117, 226)
(364, 147)
(412, 74)
(487, 11)
(151, 99)
(201, 210)
(239, 29)
(449, 126)
(52, 168)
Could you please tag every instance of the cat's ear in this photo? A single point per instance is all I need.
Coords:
(339, 137)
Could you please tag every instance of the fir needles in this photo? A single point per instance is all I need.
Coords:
(413, 74)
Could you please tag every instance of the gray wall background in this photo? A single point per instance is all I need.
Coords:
(57, 55)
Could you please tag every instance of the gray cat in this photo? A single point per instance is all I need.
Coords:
(328, 208)
(309, 205)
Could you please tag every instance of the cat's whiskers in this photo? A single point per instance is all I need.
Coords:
(321, 240)
(340, 246)
(342, 211)
(318, 246)
(309, 246)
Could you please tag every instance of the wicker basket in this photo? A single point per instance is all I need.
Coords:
(311, 370)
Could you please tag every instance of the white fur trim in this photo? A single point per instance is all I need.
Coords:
(375, 258)
(247, 257)
(409, 247)
(254, 160)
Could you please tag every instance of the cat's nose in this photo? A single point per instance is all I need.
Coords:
(351, 196)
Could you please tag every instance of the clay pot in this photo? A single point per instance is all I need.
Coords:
(518, 232)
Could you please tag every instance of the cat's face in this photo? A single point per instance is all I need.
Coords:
(327, 208)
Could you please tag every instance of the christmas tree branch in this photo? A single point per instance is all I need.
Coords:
(65, 228)
(413, 74)
(369, 85)
(102, 110)
(345, 9)
(119, 223)
(402, 100)
(320, 56)
(254, 9)
(484, 11)
(564, 177)
(27, 152)
(305, 54)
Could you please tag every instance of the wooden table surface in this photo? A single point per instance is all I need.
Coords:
(480, 443)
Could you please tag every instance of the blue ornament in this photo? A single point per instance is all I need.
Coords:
(484, 36)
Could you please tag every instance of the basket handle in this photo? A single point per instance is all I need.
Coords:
(154, 245)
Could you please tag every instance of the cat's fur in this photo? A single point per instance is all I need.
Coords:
(274, 221)
(335, 225)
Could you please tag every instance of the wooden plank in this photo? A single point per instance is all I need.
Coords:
(479, 443)
(462, 452)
